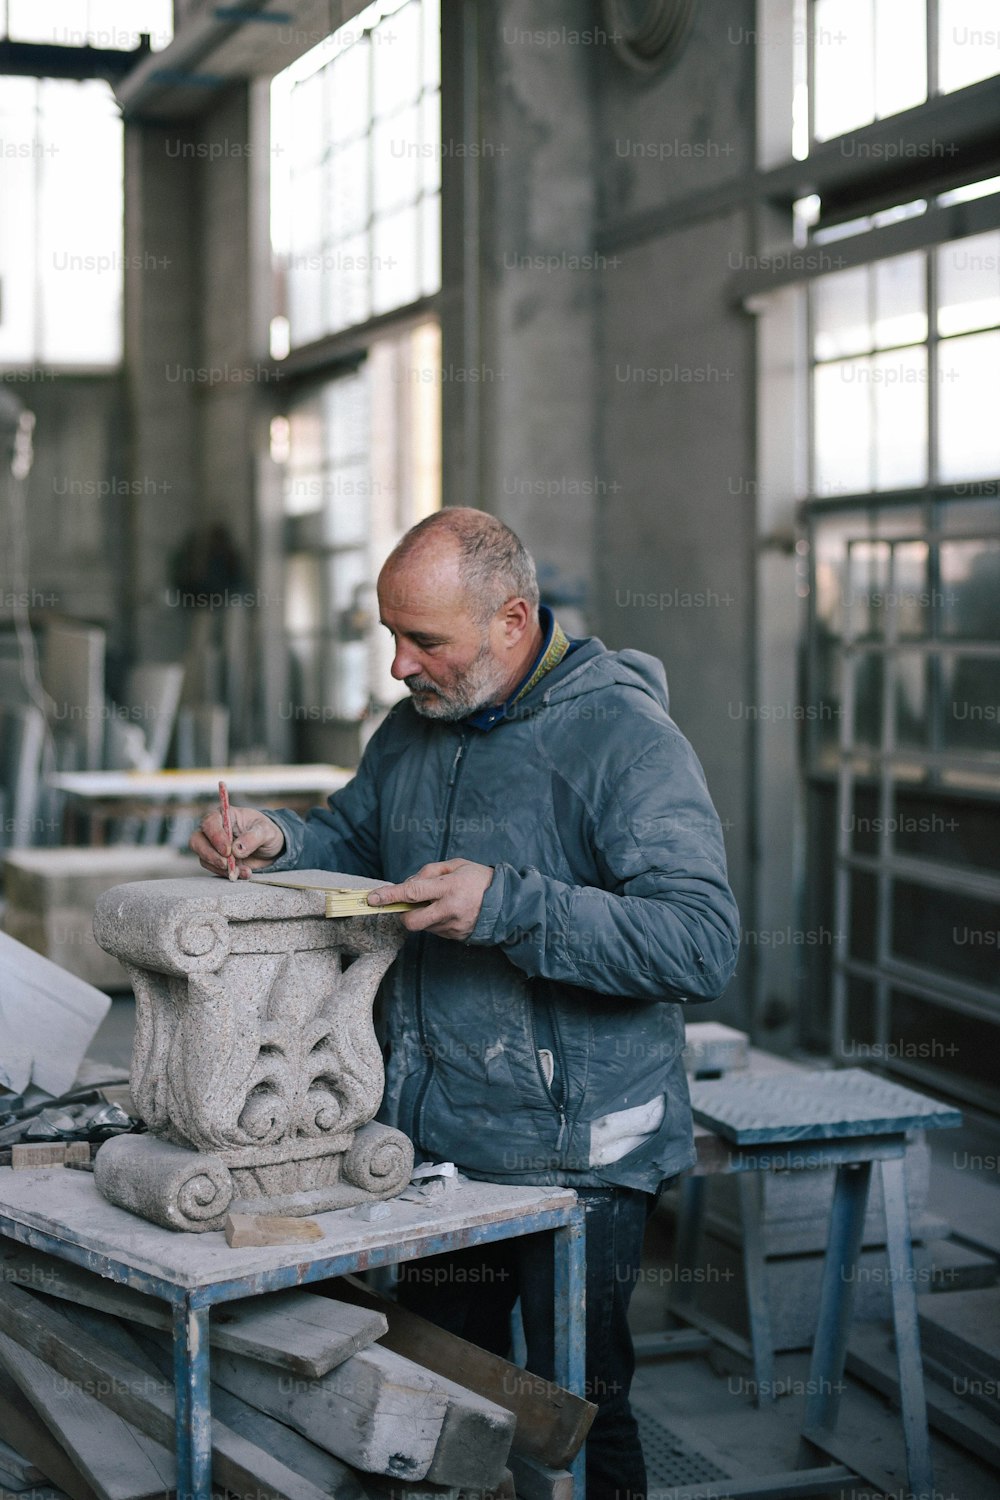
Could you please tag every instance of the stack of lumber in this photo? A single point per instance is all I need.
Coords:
(335, 1392)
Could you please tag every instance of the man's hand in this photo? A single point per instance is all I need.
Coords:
(257, 840)
(453, 892)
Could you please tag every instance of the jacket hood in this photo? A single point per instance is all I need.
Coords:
(592, 667)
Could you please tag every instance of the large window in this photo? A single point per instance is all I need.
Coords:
(357, 196)
(873, 58)
(905, 359)
(356, 207)
(61, 263)
(363, 466)
(903, 674)
(113, 25)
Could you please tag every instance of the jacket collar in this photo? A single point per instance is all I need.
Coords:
(555, 645)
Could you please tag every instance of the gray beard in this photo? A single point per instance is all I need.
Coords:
(482, 685)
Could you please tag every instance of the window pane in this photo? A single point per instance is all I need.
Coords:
(396, 161)
(430, 245)
(969, 284)
(843, 52)
(308, 129)
(347, 176)
(970, 589)
(109, 24)
(899, 381)
(911, 700)
(431, 44)
(303, 603)
(910, 594)
(971, 687)
(969, 435)
(967, 42)
(61, 264)
(900, 56)
(397, 59)
(841, 316)
(348, 282)
(935, 928)
(843, 428)
(395, 272)
(900, 301)
(868, 700)
(350, 92)
(868, 582)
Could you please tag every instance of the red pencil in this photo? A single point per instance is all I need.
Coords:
(227, 828)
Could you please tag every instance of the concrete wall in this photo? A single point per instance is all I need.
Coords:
(674, 562)
(617, 433)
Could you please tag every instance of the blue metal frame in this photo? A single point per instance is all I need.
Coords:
(191, 1310)
(853, 1159)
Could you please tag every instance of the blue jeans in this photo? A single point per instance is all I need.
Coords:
(472, 1292)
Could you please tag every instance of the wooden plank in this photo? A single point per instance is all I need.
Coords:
(236, 1463)
(322, 1469)
(101, 1444)
(244, 1230)
(470, 1446)
(535, 1481)
(375, 1411)
(552, 1423)
(30, 1156)
(20, 1424)
(290, 1447)
(292, 1329)
(20, 1469)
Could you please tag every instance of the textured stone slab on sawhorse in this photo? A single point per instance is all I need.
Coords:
(813, 1106)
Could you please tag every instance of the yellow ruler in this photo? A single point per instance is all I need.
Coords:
(341, 901)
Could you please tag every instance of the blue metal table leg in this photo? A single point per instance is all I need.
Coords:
(570, 1293)
(919, 1470)
(751, 1189)
(690, 1219)
(192, 1404)
(836, 1302)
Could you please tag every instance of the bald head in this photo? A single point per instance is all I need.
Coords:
(459, 596)
(474, 550)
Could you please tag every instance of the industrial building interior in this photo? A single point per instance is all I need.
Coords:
(701, 298)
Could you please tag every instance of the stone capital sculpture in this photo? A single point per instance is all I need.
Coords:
(255, 1065)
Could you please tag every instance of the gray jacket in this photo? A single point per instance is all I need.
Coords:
(546, 1047)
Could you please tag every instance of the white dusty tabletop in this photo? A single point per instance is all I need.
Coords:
(66, 1205)
(241, 781)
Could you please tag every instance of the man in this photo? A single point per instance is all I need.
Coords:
(535, 797)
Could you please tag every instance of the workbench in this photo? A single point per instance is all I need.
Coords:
(62, 1212)
(101, 796)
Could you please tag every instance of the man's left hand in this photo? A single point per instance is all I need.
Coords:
(453, 892)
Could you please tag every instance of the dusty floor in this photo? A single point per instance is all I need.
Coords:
(698, 1420)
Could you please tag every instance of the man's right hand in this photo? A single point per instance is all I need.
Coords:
(257, 840)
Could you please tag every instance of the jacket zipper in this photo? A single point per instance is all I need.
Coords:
(418, 1107)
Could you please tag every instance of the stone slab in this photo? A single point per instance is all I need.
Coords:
(68, 1206)
(962, 1332)
(48, 1019)
(51, 894)
(821, 1105)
